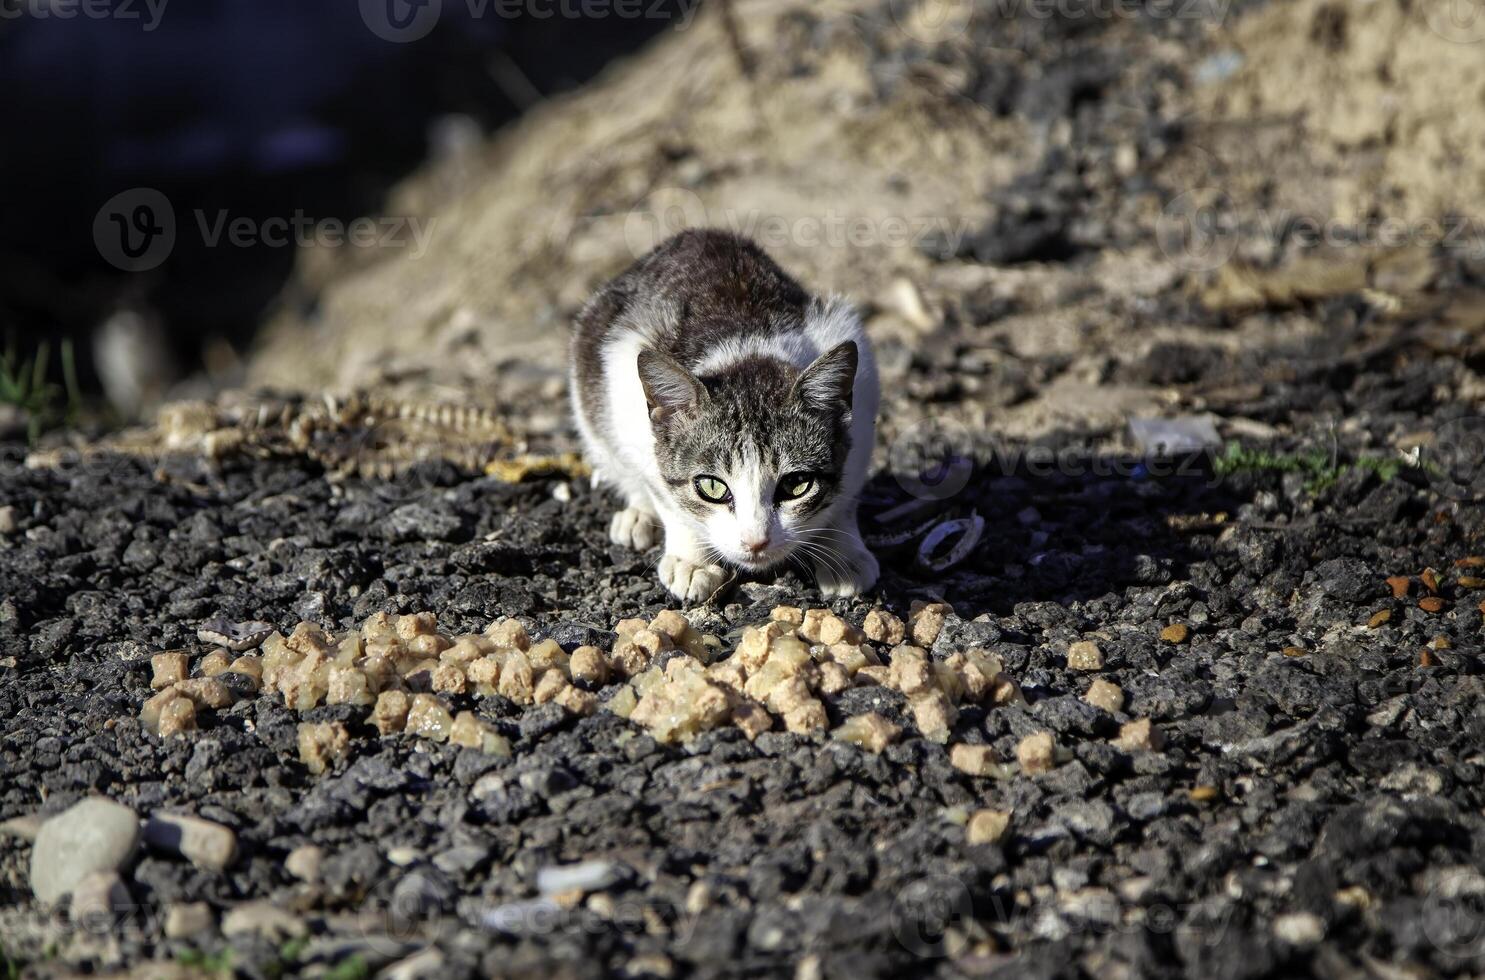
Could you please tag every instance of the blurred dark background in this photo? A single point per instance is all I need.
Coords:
(261, 108)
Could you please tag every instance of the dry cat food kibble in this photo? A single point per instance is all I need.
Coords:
(409, 677)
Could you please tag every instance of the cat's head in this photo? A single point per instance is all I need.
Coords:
(753, 454)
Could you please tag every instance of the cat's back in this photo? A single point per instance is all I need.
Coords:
(692, 293)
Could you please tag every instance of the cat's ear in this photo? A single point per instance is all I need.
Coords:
(669, 387)
(828, 382)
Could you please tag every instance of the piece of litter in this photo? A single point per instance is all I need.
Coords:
(1172, 437)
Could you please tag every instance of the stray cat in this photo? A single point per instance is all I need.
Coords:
(731, 409)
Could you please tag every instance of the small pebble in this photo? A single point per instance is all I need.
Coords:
(263, 918)
(1299, 928)
(186, 920)
(8, 522)
(304, 862)
(208, 845)
(988, 827)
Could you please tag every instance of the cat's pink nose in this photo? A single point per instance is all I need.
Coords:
(755, 546)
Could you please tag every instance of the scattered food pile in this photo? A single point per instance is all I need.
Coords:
(663, 674)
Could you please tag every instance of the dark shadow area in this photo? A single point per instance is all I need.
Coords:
(241, 112)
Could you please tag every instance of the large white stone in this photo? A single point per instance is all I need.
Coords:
(95, 834)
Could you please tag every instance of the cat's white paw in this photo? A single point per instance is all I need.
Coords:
(634, 528)
(689, 581)
(847, 574)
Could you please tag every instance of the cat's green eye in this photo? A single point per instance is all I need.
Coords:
(795, 485)
(712, 489)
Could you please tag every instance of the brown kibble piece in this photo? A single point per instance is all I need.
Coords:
(1175, 633)
(1294, 651)
(472, 733)
(976, 760)
(909, 670)
(348, 686)
(321, 744)
(215, 662)
(390, 713)
(509, 633)
(1204, 794)
(550, 684)
(934, 715)
(927, 621)
(177, 716)
(878, 674)
(1084, 655)
(448, 679)
(149, 712)
(1380, 618)
(883, 627)
(988, 827)
(588, 667)
(628, 627)
(1471, 561)
(307, 638)
(1106, 695)
(752, 718)
(835, 630)
(416, 624)
(1431, 604)
(628, 658)
(429, 718)
(169, 667)
(806, 716)
(871, 731)
(577, 701)
(1399, 584)
(517, 681)
(206, 692)
(1427, 659)
(1471, 582)
(833, 678)
(809, 625)
(652, 642)
(1430, 579)
(1037, 753)
(787, 614)
(1139, 735)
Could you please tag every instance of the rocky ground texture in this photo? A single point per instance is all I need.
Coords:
(1239, 725)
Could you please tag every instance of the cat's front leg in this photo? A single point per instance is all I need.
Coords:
(685, 570)
(636, 526)
(842, 564)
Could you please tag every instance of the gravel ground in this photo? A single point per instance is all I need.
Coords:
(1300, 623)
(1315, 806)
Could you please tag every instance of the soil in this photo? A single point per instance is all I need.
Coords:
(1313, 799)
